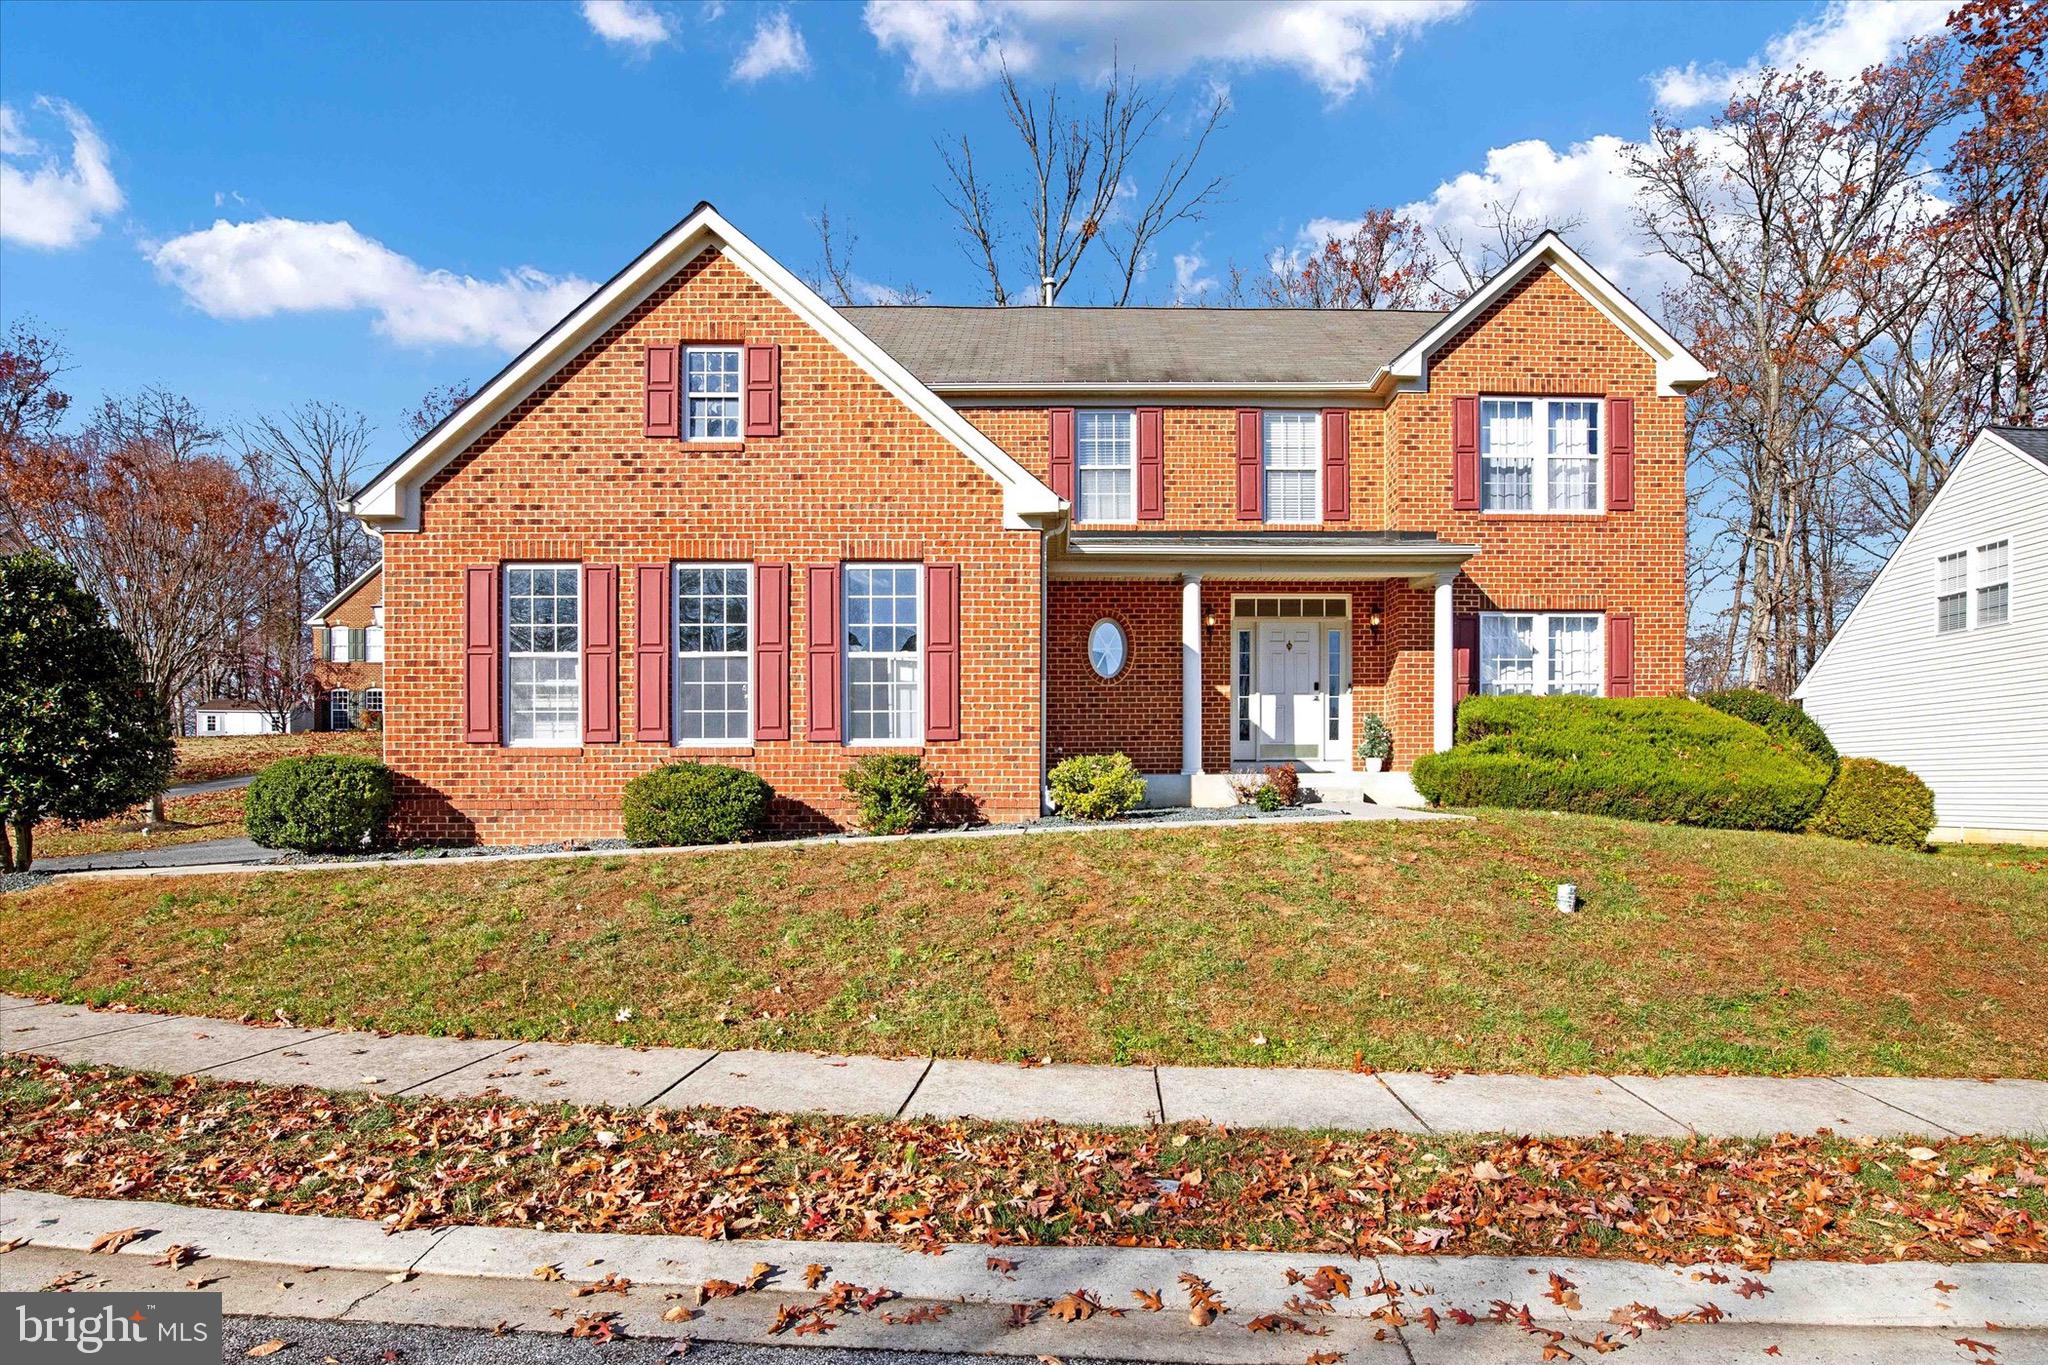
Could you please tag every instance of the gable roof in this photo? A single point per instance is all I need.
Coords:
(1021, 350)
(319, 617)
(390, 501)
(2029, 441)
(1678, 370)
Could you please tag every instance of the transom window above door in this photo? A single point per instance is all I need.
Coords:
(1105, 465)
(1292, 473)
(1539, 454)
(711, 393)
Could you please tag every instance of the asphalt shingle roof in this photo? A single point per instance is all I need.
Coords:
(1061, 345)
(2028, 440)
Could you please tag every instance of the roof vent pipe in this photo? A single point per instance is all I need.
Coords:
(1045, 291)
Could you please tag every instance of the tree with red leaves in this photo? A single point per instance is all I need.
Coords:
(1382, 261)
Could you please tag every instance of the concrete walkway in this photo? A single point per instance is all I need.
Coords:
(203, 853)
(218, 784)
(796, 1082)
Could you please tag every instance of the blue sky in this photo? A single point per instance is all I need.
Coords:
(259, 204)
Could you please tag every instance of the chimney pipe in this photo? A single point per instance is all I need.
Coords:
(1045, 291)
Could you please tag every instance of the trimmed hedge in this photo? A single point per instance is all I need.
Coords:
(893, 793)
(1638, 758)
(1876, 803)
(695, 803)
(325, 803)
(1096, 786)
(1778, 716)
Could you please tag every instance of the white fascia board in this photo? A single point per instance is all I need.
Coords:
(1143, 556)
(391, 502)
(319, 618)
(1054, 393)
(1678, 371)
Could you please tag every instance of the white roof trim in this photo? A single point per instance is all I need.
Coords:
(319, 618)
(1985, 437)
(1142, 555)
(391, 501)
(1678, 371)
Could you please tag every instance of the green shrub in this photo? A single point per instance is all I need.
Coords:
(1876, 803)
(695, 803)
(327, 803)
(893, 792)
(1778, 716)
(1096, 786)
(1375, 739)
(1268, 798)
(1639, 758)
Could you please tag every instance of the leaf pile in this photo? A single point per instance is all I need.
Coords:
(106, 1133)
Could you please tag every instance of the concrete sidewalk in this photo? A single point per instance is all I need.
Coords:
(596, 1073)
(338, 1269)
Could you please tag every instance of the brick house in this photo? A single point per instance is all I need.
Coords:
(710, 516)
(348, 654)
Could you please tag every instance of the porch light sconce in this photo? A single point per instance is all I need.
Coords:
(1373, 624)
(1209, 621)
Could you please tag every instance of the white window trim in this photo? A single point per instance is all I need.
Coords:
(1132, 519)
(1316, 473)
(1243, 746)
(337, 645)
(347, 720)
(212, 723)
(368, 693)
(675, 663)
(1977, 581)
(505, 655)
(1541, 630)
(1123, 644)
(846, 656)
(373, 644)
(1540, 479)
(683, 397)
(1968, 593)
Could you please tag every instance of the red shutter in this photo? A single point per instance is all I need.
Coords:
(771, 651)
(664, 391)
(764, 390)
(1621, 656)
(1060, 448)
(1621, 454)
(650, 654)
(1465, 454)
(1151, 464)
(480, 655)
(1465, 655)
(1249, 453)
(942, 651)
(1336, 465)
(600, 654)
(821, 641)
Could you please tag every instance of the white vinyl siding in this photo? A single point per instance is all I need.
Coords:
(714, 653)
(711, 393)
(543, 654)
(1539, 455)
(1105, 466)
(884, 653)
(1540, 654)
(1293, 466)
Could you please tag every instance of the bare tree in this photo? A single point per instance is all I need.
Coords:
(31, 404)
(434, 408)
(1084, 186)
(1471, 261)
(311, 459)
(1384, 261)
(834, 279)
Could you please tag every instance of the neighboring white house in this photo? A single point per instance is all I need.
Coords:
(1939, 667)
(226, 716)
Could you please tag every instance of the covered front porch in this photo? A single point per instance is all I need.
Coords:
(1205, 654)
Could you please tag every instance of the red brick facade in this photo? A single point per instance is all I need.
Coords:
(356, 611)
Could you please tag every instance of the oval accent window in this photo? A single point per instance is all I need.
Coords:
(1106, 649)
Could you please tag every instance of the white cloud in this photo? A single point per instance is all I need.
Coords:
(777, 49)
(634, 23)
(1333, 44)
(1844, 39)
(54, 204)
(1190, 285)
(285, 265)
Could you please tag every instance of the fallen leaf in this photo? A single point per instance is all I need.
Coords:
(109, 1242)
(814, 1275)
(398, 1277)
(264, 1348)
(11, 1244)
(1149, 1300)
(1772, 1351)
(1971, 1344)
(1752, 1288)
(609, 1284)
(1005, 1268)
(547, 1272)
(1079, 1306)
(1944, 1287)
(177, 1256)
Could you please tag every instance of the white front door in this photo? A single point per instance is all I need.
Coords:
(1290, 691)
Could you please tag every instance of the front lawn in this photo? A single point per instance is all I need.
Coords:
(203, 758)
(1402, 946)
(101, 1133)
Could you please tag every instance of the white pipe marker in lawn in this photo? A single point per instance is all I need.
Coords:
(1567, 898)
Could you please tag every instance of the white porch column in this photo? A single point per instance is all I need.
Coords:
(1446, 681)
(1191, 673)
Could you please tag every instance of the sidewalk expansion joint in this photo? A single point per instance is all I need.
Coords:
(1647, 1105)
(713, 1055)
(1158, 1095)
(278, 1047)
(1403, 1103)
(1896, 1108)
(928, 1062)
(411, 1268)
(473, 1061)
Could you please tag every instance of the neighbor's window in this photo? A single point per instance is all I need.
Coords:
(338, 709)
(1293, 466)
(373, 644)
(711, 392)
(714, 652)
(1951, 593)
(373, 701)
(337, 644)
(883, 653)
(543, 654)
(1107, 648)
(212, 723)
(1538, 654)
(1539, 454)
(1105, 466)
(1992, 584)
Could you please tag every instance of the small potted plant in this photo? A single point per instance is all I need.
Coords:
(1376, 743)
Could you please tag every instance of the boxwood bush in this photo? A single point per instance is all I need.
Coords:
(893, 793)
(1876, 803)
(1778, 716)
(327, 803)
(1639, 758)
(695, 803)
(1096, 786)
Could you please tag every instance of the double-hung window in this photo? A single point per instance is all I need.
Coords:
(543, 654)
(340, 709)
(884, 653)
(1540, 654)
(1293, 444)
(337, 644)
(1952, 593)
(373, 702)
(1993, 583)
(714, 653)
(1539, 454)
(373, 637)
(711, 393)
(1105, 466)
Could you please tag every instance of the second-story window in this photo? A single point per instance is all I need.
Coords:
(1539, 454)
(1952, 592)
(711, 393)
(1105, 466)
(1293, 466)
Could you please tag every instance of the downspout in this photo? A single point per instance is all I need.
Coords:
(1045, 535)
